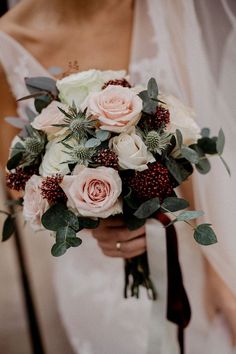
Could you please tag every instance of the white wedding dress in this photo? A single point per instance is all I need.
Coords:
(89, 286)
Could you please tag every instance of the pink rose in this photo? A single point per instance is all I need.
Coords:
(34, 204)
(93, 192)
(115, 107)
(49, 116)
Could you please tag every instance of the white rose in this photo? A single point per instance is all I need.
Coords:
(53, 159)
(76, 87)
(131, 151)
(34, 205)
(182, 118)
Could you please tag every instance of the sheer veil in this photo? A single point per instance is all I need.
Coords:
(190, 48)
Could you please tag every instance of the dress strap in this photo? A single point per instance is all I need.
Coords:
(18, 63)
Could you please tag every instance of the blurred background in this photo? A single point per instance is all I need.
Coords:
(29, 321)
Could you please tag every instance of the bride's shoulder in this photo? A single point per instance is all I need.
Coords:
(17, 23)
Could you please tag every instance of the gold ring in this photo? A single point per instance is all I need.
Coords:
(118, 246)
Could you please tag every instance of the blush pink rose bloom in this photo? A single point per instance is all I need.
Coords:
(34, 205)
(115, 107)
(93, 192)
(49, 116)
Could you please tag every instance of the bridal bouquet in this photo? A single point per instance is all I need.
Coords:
(98, 147)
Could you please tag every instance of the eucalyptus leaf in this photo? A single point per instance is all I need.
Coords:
(15, 122)
(14, 161)
(179, 137)
(132, 222)
(189, 215)
(205, 235)
(8, 228)
(102, 135)
(205, 132)
(220, 142)
(86, 223)
(64, 232)
(131, 200)
(203, 166)
(174, 204)
(149, 106)
(147, 208)
(30, 114)
(54, 217)
(152, 88)
(41, 83)
(73, 241)
(207, 145)
(58, 249)
(42, 102)
(93, 142)
(177, 170)
(71, 219)
(189, 154)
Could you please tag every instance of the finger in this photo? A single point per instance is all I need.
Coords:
(125, 247)
(119, 254)
(112, 235)
(113, 221)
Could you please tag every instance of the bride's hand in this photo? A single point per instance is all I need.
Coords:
(115, 240)
(220, 299)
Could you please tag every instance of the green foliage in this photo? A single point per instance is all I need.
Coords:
(149, 97)
(190, 154)
(220, 143)
(203, 166)
(132, 222)
(189, 215)
(92, 143)
(102, 135)
(8, 228)
(42, 102)
(179, 170)
(36, 84)
(152, 88)
(66, 224)
(179, 138)
(205, 235)
(59, 216)
(205, 132)
(207, 145)
(86, 223)
(148, 208)
(174, 204)
(131, 200)
(65, 238)
(14, 161)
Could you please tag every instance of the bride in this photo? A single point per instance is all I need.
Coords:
(148, 38)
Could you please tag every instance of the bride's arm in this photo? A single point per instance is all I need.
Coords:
(219, 298)
(217, 294)
(7, 108)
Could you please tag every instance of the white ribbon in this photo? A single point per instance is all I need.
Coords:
(162, 333)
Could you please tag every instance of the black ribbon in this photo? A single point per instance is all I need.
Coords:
(178, 307)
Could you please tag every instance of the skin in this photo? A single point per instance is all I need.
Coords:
(94, 28)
